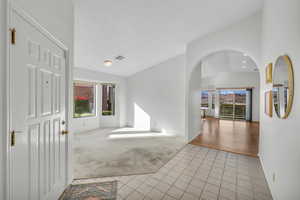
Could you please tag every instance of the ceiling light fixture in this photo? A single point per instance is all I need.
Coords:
(245, 54)
(244, 61)
(244, 67)
(108, 63)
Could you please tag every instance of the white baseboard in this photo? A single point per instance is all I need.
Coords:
(266, 177)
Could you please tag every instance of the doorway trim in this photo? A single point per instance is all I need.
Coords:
(192, 66)
(12, 7)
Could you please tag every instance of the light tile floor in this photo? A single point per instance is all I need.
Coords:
(198, 173)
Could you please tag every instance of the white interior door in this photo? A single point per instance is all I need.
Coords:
(38, 163)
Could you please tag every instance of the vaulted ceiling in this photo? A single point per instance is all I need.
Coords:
(147, 32)
(227, 61)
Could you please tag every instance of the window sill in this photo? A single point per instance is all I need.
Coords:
(86, 117)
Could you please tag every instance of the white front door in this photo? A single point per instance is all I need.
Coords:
(38, 164)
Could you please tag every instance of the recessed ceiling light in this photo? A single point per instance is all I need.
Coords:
(244, 61)
(245, 54)
(107, 63)
(244, 67)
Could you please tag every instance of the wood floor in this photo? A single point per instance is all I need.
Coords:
(232, 136)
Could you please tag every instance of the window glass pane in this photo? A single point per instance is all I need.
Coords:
(240, 104)
(108, 99)
(204, 99)
(84, 99)
(240, 97)
(226, 104)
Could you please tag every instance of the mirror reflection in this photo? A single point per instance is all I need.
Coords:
(283, 83)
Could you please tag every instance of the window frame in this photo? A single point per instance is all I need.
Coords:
(114, 100)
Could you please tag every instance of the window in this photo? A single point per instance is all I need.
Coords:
(108, 99)
(213, 96)
(204, 99)
(84, 99)
(234, 104)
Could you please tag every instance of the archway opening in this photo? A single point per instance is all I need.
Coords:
(224, 102)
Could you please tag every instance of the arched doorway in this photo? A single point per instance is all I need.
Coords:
(227, 84)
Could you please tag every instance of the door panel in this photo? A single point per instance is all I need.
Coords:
(46, 92)
(32, 93)
(34, 144)
(37, 80)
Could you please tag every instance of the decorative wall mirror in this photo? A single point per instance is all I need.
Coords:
(283, 86)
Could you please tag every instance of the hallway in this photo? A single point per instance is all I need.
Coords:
(232, 136)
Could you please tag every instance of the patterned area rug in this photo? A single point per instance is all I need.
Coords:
(91, 191)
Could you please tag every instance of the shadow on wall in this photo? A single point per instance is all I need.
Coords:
(142, 120)
(141, 127)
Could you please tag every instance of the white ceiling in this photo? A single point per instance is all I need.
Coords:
(147, 32)
(227, 61)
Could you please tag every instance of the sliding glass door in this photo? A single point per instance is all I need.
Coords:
(240, 105)
(235, 104)
(226, 104)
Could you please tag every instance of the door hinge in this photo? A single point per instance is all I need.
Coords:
(13, 36)
(13, 138)
(65, 132)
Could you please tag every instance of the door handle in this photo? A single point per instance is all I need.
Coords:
(65, 132)
(13, 137)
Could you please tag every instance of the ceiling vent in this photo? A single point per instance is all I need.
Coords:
(120, 57)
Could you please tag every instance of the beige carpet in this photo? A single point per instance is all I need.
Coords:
(118, 152)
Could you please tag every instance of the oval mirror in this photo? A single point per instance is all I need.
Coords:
(283, 86)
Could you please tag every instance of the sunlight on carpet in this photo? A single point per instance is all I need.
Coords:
(102, 153)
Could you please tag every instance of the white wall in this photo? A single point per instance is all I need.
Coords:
(146, 88)
(119, 119)
(237, 80)
(55, 15)
(279, 139)
(159, 91)
(244, 36)
(194, 103)
(2, 88)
